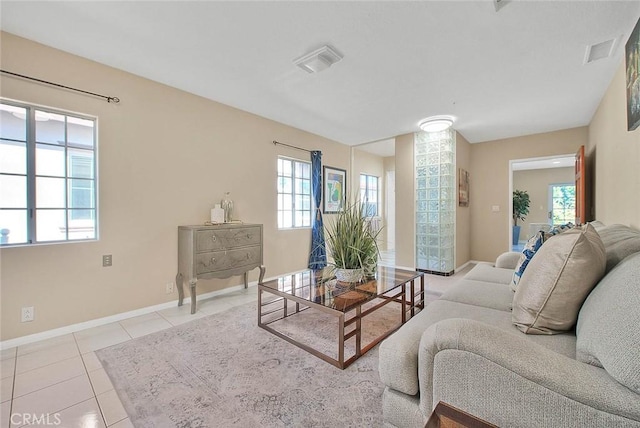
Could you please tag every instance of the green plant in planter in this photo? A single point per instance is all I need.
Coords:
(521, 204)
(350, 241)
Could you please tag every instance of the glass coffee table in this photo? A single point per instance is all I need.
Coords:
(350, 303)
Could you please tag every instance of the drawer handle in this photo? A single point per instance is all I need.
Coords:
(248, 236)
(214, 238)
(213, 260)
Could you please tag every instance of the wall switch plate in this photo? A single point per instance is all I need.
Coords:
(169, 288)
(28, 314)
(495, 208)
(107, 260)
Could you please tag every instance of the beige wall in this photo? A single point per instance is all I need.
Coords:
(489, 186)
(389, 164)
(405, 202)
(463, 214)
(165, 157)
(536, 182)
(614, 158)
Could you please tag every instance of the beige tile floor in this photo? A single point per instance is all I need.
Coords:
(63, 378)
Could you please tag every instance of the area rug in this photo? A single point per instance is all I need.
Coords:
(223, 371)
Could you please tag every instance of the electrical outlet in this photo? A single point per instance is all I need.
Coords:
(27, 314)
(107, 260)
(169, 287)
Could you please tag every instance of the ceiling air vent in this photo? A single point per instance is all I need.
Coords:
(318, 60)
(599, 51)
(499, 4)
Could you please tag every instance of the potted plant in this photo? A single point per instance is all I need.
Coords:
(351, 244)
(521, 204)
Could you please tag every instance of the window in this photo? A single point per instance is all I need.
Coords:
(47, 175)
(294, 193)
(369, 194)
(563, 203)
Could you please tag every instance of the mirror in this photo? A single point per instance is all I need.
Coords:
(373, 181)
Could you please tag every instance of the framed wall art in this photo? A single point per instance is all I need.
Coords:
(334, 189)
(632, 54)
(463, 188)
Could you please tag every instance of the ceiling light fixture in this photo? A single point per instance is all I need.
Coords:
(436, 123)
(318, 60)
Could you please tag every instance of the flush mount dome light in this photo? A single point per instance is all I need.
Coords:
(436, 124)
(318, 60)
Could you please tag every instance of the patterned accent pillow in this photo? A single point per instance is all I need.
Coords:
(556, 230)
(533, 244)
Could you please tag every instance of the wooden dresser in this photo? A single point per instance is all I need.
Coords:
(217, 251)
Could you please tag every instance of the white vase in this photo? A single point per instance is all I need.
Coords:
(349, 275)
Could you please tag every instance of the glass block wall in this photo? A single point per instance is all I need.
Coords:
(435, 160)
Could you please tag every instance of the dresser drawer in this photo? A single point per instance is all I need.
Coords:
(212, 239)
(217, 261)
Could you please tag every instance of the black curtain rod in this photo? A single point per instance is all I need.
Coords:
(114, 100)
(293, 147)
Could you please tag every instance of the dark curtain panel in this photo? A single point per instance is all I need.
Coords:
(318, 255)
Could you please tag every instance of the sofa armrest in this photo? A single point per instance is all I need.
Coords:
(498, 373)
(508, 260)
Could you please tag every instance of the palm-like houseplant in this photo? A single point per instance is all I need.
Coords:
(521, 202)
(352, 244)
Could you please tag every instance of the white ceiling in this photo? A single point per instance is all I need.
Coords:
(514, 72)
(384, 148)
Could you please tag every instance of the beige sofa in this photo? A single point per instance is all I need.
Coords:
(464, 349)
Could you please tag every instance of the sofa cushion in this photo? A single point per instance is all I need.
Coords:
(487, 273)
(530, 249)
(398, 353)
(619, 242)
(508, 260)
(607, 331)
(558, 280)
(480, 293)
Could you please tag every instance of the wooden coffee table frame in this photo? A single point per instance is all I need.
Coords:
(395, 295)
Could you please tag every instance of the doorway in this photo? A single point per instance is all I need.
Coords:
(542, 178)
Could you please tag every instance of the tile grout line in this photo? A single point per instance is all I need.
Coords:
(40, 350)
(59, 410)
(16, 374)
(13, 388)
(104, 419)
(165, 319)
(84, 364)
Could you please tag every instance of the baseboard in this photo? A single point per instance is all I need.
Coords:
(48, 334)
(459, 268)
(471, 262)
